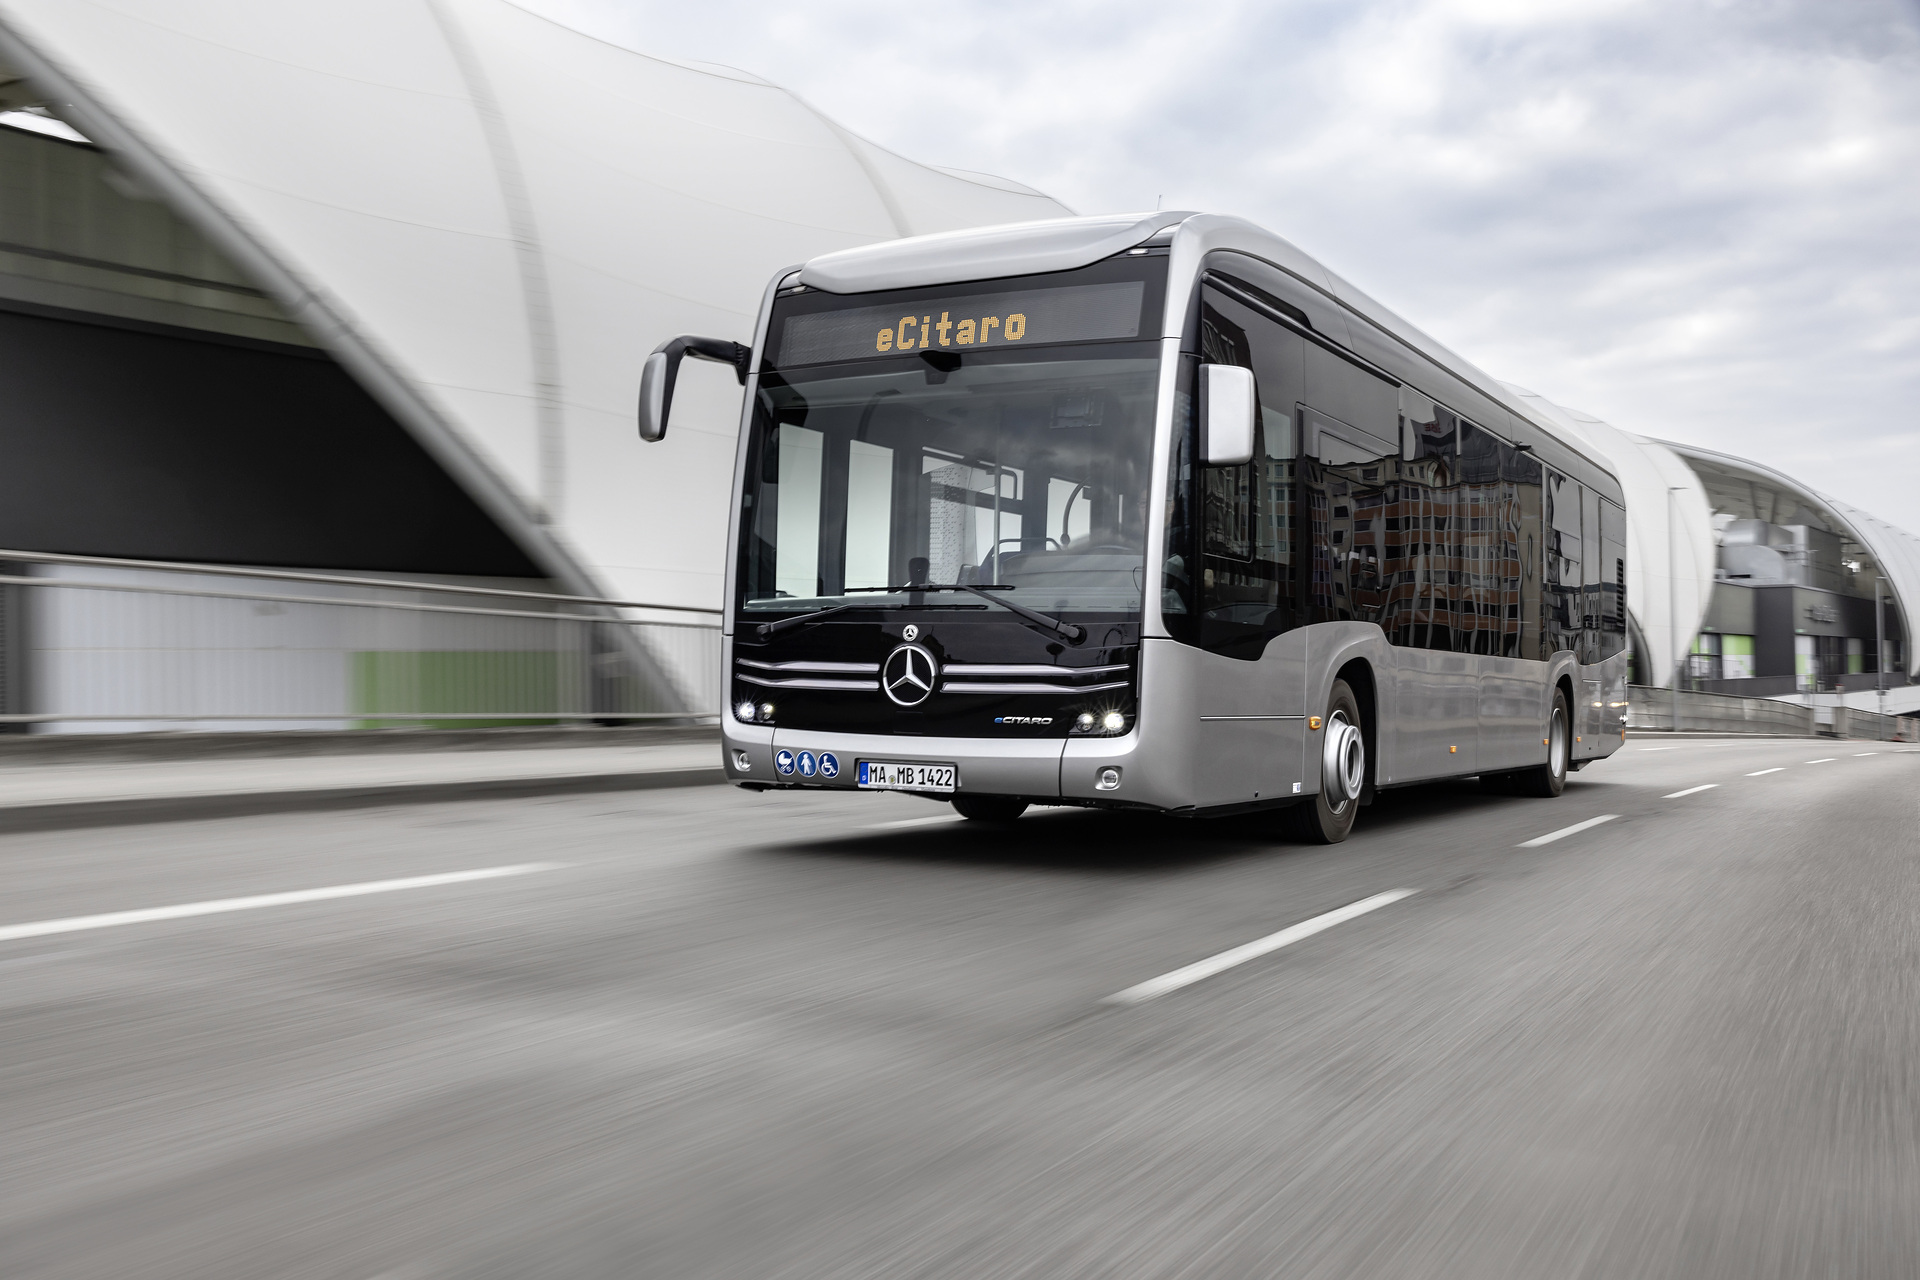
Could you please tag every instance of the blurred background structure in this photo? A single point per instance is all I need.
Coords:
(320, 330)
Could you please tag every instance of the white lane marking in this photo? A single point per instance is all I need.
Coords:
(1564, 832)
(1675, 795)
(1659, 748)
(913, 822)
(1760, 772)
(1858, 754)
(1190, 974)
(1822, 760)
(74, 924)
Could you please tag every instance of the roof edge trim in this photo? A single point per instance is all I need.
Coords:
(984, 253)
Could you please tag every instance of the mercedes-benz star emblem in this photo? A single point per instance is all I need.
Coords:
(908, 675)
(909, 632)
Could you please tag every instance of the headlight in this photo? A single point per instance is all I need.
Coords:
(744, 712)
(1113, 722)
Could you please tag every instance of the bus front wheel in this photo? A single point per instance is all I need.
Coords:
(1341, 748)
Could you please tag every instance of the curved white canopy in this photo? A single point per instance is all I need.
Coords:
(492, 219)
(1896, 550)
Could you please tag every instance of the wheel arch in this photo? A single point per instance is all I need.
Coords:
(1359, 675)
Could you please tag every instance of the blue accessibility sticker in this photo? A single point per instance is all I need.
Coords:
(783, 761)
(829, 765)
(807, 764)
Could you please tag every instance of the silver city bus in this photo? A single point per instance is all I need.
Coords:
(1147, 512)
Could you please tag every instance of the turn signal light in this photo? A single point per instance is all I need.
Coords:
(1313, 722)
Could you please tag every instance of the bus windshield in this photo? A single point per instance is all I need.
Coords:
(1024, 469)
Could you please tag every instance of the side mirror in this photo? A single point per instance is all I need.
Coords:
(1226, 415)
(662, 369)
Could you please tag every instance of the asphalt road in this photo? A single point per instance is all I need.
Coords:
(756, 1036)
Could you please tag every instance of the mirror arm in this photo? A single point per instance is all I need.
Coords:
(662, 370)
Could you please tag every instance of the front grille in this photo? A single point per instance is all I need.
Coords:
(957, 677)
(1035, 677)
(843, 676)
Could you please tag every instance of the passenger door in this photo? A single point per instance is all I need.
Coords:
(1495, 481)
(1251, 680)
(1437, 676)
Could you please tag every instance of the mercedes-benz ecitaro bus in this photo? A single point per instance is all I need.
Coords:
(1148, 512)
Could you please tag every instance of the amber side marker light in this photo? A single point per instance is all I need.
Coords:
(1313, 722)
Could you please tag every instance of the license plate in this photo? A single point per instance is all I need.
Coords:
(907, 777)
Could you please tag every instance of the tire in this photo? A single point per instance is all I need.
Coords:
(1550, 779)
(1341, 747)
(989, 808)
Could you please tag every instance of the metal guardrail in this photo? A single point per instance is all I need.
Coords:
(102, 643)
(1651, 710)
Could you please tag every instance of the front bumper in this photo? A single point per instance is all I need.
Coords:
(1034, 768)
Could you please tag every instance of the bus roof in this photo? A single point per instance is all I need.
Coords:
(1064, 244)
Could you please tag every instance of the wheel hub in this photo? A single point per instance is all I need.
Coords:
(1343, 761)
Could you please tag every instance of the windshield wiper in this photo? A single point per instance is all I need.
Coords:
(798, 619)
(1065, 630)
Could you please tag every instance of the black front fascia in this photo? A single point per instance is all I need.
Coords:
(958, 638)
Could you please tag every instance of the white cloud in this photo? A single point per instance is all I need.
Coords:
(1695, 219)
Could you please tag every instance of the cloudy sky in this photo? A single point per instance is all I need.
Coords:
(1698, 219)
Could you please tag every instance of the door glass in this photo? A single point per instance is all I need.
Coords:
(798, 567)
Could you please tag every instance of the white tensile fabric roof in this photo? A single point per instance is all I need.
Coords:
(1896, 550)
(492, 219)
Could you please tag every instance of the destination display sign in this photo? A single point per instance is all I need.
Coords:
(970, 322)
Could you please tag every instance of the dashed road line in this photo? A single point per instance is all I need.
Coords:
(1675, 795)
(1564, 832)
(1757, 773)
(180, 911)
(913, 822)
(1190, 974)
(1821, 760)
(1858, 754)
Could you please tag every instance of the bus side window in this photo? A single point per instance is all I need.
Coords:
(1227, 492)
(1521, 538)
(1344, 478)
(1592, 575)
(1562, 591)
(1479, 510)
(1613, 585)
(1424, 608)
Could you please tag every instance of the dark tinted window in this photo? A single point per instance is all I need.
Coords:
(1421, 614)
(1562, 594)
(1613, 587)
(1241, 590)
(1346, 474)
